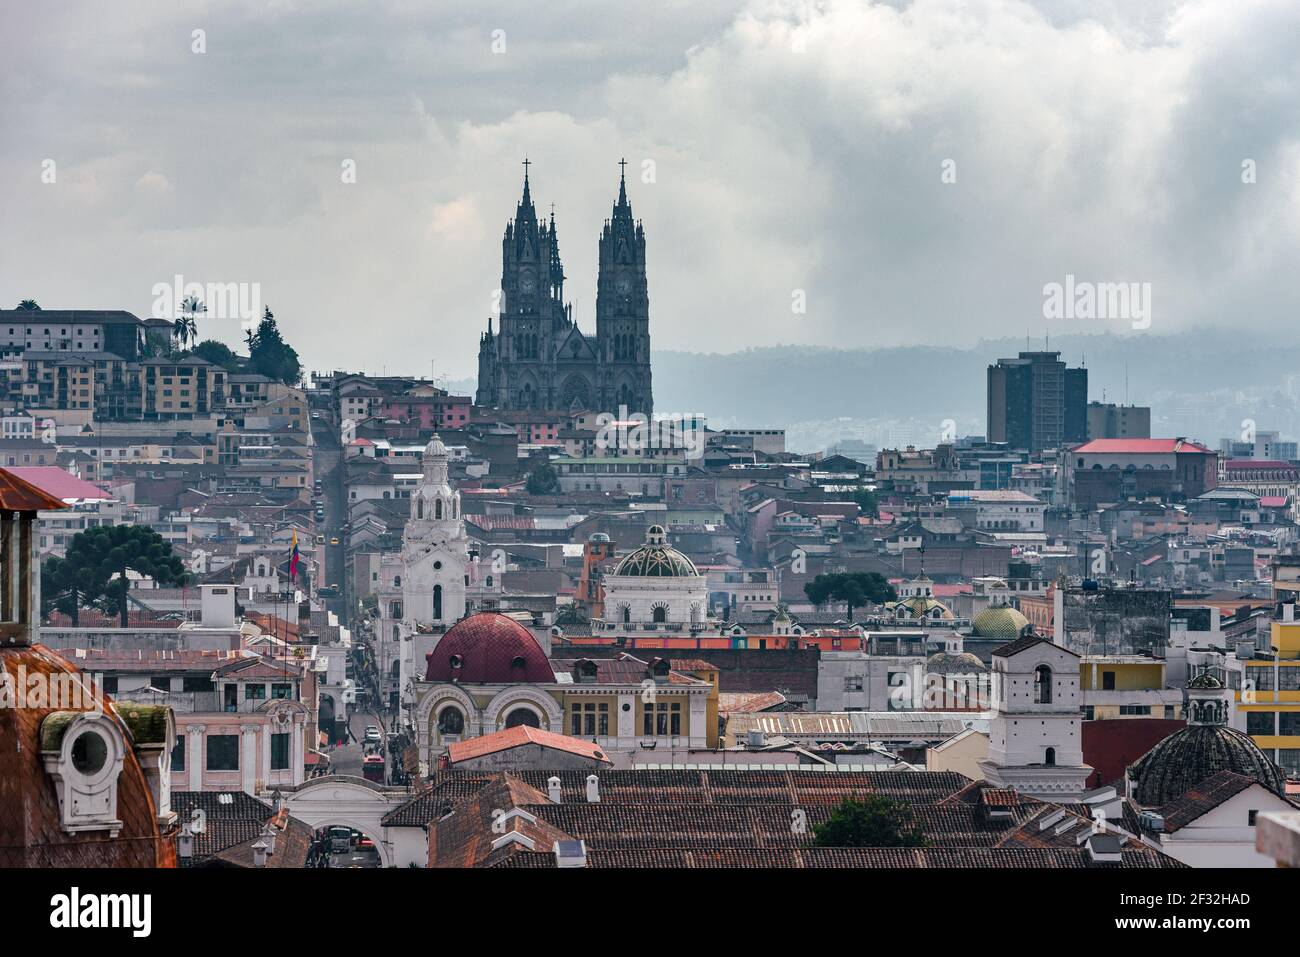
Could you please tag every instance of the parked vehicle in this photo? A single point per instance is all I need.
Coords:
(340, 840)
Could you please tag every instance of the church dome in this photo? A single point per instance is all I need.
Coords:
(435, 447)
(949, 663)
(1000, 622)
(1187, 757)
(489, 648)
(656, 559)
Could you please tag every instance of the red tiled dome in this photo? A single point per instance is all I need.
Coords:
(489, 648)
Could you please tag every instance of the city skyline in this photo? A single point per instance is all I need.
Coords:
(807, 176)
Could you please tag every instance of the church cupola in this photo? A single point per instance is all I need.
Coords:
(1207, 700)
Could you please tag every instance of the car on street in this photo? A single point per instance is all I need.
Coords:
(372, 732)
(340, 840)
(334, 539)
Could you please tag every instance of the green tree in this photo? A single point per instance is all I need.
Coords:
(866, 502)
(543, 480)
(270, 355)
(218, 353)
(95, 570)
(29, 305)
(855, 589)
(64, 587)
(873, 821)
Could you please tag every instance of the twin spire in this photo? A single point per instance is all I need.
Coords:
(527, 211)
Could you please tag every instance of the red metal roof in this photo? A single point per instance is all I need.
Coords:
(1234, 465)
(17, 494)
(60, 484)
(1139, 446)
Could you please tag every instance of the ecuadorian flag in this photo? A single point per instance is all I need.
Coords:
(293, 558)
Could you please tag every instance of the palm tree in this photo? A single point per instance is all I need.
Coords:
(29, 305)
(185, 328)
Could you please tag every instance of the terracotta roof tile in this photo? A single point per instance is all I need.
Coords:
(521, 735)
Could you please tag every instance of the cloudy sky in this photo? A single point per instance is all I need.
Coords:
(919, 171)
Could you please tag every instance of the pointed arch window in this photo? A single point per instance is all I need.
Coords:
(1049, 758)
(437, 603)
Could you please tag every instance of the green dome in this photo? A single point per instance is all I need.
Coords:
(1000, 622)
(656, 559)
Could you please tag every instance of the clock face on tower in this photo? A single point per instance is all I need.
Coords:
(526, 282)
(624, 285)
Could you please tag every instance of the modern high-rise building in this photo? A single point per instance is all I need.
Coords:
(1036, 403)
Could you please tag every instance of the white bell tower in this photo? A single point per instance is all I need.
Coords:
(1035, 740)
(435, 556)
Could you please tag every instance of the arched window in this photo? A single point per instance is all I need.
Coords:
(419, 508)
(522, 716)
(437, 602)
(451, 721)
(437, 508)
(1042, 685)
(660, 614)
(397, 581)
(1049, 758)
(627, 615)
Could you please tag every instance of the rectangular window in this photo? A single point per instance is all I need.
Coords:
(1259, 722)
(282, 691)
(575, 721)
(1288, 723)
(178, 753)
(604, 720)
(280, 752)
(223, 752)
(254, 692)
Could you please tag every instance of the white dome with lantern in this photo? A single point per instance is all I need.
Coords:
(655, 587)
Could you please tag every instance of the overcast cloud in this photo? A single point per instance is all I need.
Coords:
(796, 146)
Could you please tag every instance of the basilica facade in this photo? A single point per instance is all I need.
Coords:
(538, 358)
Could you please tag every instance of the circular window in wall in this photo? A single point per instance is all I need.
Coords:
(89, 752)
(437, 565)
